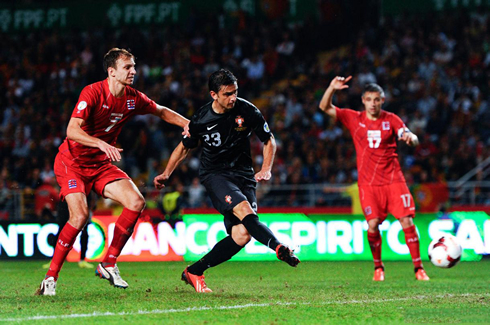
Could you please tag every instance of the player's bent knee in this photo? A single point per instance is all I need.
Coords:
(78, 220)
(137, 204)
(242, 209)
(406, 221)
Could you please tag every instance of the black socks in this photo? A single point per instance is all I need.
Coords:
(260, 232)
(227, 248)
(221, 252)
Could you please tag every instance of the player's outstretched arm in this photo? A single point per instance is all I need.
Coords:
(75, 133)
(269, 152)
(173, 117)
(179, 154)
(337, 83)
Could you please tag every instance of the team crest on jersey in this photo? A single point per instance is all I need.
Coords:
(131, 104)
(228, 199)
(239, 121)
(72, 183)
(386, 126)
(368, 211)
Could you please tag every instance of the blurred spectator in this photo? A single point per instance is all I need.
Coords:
(196, 193)
(46, 200)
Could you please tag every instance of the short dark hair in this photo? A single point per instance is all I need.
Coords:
(219, 78)
(115, 53)
(373, 88)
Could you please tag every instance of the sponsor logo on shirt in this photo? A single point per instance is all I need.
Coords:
(386, 126)
(362, 124)
(239, 121)
(105, 106)
(72, 183)
(131, 104)
(116, 117)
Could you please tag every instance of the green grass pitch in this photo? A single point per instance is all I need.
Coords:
(250, 293)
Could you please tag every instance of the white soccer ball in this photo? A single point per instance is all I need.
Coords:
(445, 251)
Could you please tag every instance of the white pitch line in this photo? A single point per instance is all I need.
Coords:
(204, 308)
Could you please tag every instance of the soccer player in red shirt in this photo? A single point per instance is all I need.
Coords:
(84, 160)
(382, 186)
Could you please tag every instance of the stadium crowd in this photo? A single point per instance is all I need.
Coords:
(436, 76)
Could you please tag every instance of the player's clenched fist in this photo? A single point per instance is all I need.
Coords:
(159, 181)
(263, 176)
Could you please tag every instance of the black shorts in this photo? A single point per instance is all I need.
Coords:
(226, 192)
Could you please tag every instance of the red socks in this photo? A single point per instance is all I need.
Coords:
(63, 246)
(122, 231)
(412, 240)
(374, 239)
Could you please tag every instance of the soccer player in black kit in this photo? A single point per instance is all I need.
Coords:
(223, 126)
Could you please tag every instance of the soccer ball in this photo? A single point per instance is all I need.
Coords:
(445, 251)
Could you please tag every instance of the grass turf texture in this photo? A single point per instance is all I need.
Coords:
(251, 292)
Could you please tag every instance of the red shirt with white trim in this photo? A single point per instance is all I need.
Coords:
(104, 116)
(375, 143)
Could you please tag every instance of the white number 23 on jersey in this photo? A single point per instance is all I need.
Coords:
(213, 139)
(374, 138)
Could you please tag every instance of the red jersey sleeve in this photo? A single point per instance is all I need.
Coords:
(346, 116)
(145, 104)
(86, 103)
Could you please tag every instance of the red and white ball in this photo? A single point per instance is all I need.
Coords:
(445, 251)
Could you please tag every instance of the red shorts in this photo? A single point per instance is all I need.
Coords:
(378, 201)
(84, 179)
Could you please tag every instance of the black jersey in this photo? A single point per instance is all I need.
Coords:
(225, 138)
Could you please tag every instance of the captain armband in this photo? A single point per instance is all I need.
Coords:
(403, 130)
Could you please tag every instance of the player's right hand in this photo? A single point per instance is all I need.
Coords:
(159, 181)
(113, 153)
(340, 82)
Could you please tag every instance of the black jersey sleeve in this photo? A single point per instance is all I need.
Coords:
(192, 141)
(260, 126)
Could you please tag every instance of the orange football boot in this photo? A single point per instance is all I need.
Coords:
(421, 275)
(197, 281)
(379, 274)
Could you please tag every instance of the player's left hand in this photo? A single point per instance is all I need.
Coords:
(263, 175)
(186, 131)
(409, 138)
(159, 181)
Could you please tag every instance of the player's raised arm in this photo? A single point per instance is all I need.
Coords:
(173, 117)
(326, 103)
(179, 154)
(75, 133)
(269, 152)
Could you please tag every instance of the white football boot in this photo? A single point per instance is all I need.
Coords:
(112, 275)
(47, 288)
